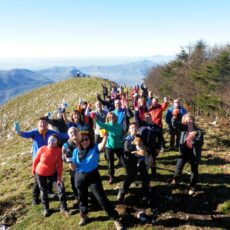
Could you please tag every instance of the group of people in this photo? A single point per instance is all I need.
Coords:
(130, 128)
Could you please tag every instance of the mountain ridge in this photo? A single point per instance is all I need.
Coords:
(17, 81)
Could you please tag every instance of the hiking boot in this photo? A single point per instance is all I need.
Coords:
(172, 183)
(120, 195)
(46, 212)
(83, 220)
(64, 212)
(118, 225)
(191, 191)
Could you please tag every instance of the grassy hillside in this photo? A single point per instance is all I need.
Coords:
(209, 208)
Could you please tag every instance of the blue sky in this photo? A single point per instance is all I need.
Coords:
(109, 28)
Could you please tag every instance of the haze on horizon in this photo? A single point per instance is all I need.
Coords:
(101, 28)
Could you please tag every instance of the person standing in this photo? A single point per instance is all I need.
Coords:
(123, 115)
(105, 91)
(173, 116)
(47, 167)
(85, 164)
(101, 115)
(67, 153)
(114, 144)
(134, 163)
(190, 147)
(40, 137)
(58, 123)
(156, 112)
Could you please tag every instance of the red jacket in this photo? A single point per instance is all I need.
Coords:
(156, 113)
(47, 162)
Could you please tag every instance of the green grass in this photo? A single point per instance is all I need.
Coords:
(225, 207)
(176, 209)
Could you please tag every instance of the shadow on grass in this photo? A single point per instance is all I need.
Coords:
(181, 208)
(117, 179)
(220, 223)
(213, 160)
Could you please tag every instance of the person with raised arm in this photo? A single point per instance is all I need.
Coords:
(39, 137)
(114, 144)
(85, 164)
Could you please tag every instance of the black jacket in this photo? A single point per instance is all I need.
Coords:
(196, 144)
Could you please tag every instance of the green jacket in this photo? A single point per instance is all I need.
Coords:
(115, 134)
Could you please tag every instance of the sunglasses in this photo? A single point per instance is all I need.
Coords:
(84, 139)
(53, 140)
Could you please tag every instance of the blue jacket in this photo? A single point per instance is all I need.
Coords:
(89, 163)
(168, 115)
(123, 116)
(39, 140)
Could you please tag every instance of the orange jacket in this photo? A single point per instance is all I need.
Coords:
(47, 162)
(156, 113)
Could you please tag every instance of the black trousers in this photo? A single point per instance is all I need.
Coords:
(43, 186)
(132, 168)
(181, 161)
(110, 158)
(161, 136)
(92, 180)
(74, 189)
(36, 190)
(174, 134)
(97, 138)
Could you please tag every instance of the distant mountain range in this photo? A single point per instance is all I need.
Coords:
(130, 74)
(17, 81)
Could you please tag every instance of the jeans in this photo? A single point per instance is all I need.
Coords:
(92, 180)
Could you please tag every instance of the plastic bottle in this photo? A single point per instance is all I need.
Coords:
(49, 114)
(17, 127)
(64, 104)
